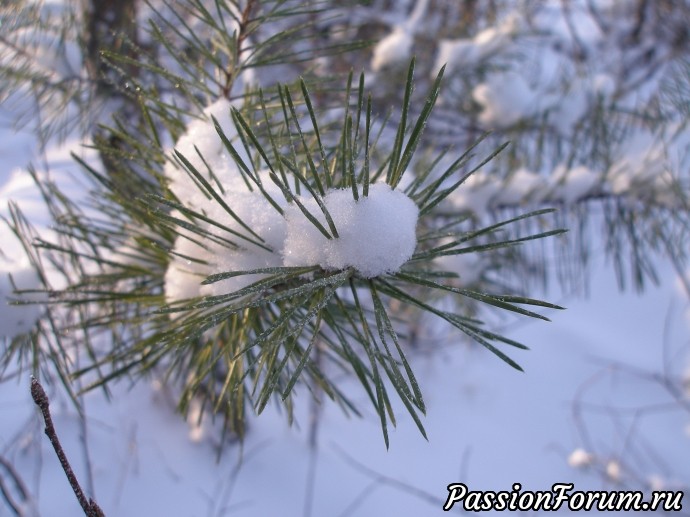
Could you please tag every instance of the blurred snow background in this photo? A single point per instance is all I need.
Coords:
(603, 403)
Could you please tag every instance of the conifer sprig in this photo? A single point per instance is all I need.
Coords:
(248, 334)
(239, 349)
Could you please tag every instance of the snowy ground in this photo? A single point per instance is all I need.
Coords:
(594, 380)
(488, 426)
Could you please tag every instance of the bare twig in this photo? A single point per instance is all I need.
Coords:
(19, 485)
(314, 420)
(91, 509)
(379, 479)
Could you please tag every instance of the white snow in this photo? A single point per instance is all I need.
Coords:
(263, 219)
(487, 426)
(572, 184)
(483, 191)
(396, 47)
(476, 193)
(520, 186)
(393, 49)
(505, 98)
(657, 482)
(651, 164)
(604, 85)
(184, 276)
(458, 54)
(613, 470)
(17, 319)
(580, 458)
(376, 234)
(201, 138)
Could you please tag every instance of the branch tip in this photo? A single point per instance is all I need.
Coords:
(39, 394)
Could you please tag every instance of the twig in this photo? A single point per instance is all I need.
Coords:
(311, 482)
(19, 485)
(231, 73)
(381, 479)
(314, 420)
(91, 509)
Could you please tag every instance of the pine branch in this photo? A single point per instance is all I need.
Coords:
(245, 324)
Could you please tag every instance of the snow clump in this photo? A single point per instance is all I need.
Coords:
(376, 233)
(613, 470)
(580, 458)
(460, 53)
(393, 49)
(396, 47)
(186, 272)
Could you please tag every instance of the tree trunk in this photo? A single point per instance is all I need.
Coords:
(109, 26)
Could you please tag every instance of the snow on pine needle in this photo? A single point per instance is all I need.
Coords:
(376, 233)
(258, 230)
(304, 250)
(274, 252)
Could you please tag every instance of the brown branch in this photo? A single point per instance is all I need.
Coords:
(109, 25)
(245, 19)
(91, 509)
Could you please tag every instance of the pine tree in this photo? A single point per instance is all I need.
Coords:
(179, 266)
